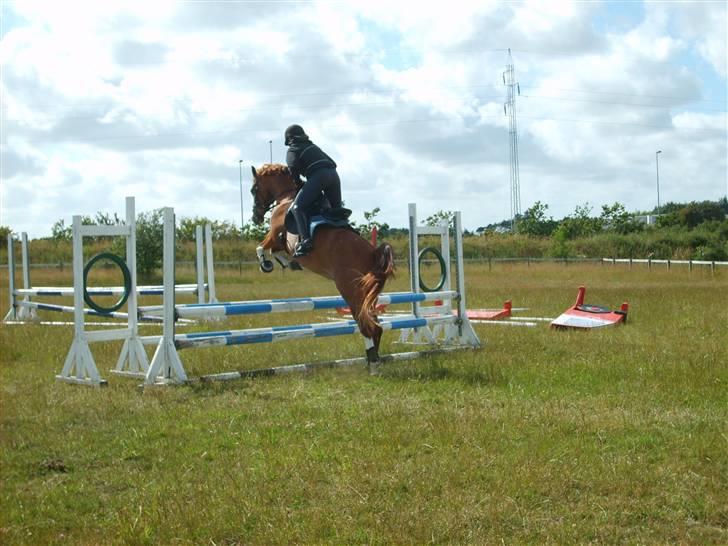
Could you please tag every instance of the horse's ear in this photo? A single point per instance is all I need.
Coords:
(255, 173)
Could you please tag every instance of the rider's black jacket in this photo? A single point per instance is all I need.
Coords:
(305, 158)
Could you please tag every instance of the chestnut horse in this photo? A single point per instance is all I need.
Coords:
(357, 268)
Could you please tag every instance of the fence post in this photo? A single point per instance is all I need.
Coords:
(712, 268)
(690, 265)
(668, 264)
(649, 264)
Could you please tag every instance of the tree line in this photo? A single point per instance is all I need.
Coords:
(615, 219)
(697, 230)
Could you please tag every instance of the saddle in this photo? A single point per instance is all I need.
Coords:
(320, 213)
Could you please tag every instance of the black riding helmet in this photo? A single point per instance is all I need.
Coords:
(294, 132)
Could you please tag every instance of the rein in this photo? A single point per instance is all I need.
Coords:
(274, 202)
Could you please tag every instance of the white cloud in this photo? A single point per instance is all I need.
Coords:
(162, 99)
(706, 25)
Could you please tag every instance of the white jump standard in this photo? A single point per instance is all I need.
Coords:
(79, 366)
(438, 325)
(22, 309)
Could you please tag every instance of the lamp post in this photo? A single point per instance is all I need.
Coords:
(270, 146)
(657, 167)
(242, 221)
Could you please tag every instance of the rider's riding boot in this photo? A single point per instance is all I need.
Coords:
(303, 248)
(305, 244)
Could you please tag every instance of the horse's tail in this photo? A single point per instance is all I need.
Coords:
(371, 285)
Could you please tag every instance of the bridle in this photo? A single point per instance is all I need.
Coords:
(261, 209)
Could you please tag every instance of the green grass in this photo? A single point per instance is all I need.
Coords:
(617, 436)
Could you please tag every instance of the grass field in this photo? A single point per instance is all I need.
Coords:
(618, 436)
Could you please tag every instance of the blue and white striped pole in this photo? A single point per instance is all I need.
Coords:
(291, 304)
(284, 333)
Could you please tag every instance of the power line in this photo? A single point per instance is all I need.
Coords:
(444, 119)
(443, 88)
(636, 95)
(402, 100)
(391, 102)
(612, 103)
(622, 124)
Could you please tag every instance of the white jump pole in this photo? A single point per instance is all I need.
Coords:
(79, 366)
(166, 366)
(204, 255)
(12, 313)
(414, 262)
(133, 358)
(16, 311)
(25, 312)
(212, 295)
(464, 326)
(200, 265)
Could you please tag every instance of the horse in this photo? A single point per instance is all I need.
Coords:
(358, 269)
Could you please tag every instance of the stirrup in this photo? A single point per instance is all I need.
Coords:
(303, 248)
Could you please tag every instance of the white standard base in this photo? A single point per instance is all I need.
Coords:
(79, 367)
(133, 359)
(166, 366)
(456, 333)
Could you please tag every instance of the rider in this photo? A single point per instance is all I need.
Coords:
(307, 159)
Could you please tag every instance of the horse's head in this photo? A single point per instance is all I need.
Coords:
(260, 206)
(270, 182)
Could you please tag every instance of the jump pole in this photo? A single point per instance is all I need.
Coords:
(313, 366)
(12, 314)
(166, 366)
(204, 255)
(25, 257)
(285, 305)
(17, 311)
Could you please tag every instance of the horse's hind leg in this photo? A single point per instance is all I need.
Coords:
(372, 345)
(372, 333)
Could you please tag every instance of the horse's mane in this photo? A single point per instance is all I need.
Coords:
(273, 169)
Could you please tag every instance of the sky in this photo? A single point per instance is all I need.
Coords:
(162, 99)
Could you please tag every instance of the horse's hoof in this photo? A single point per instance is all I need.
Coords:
(373, 360)
(266, 266)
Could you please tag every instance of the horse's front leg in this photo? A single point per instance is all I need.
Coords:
(266, 265)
